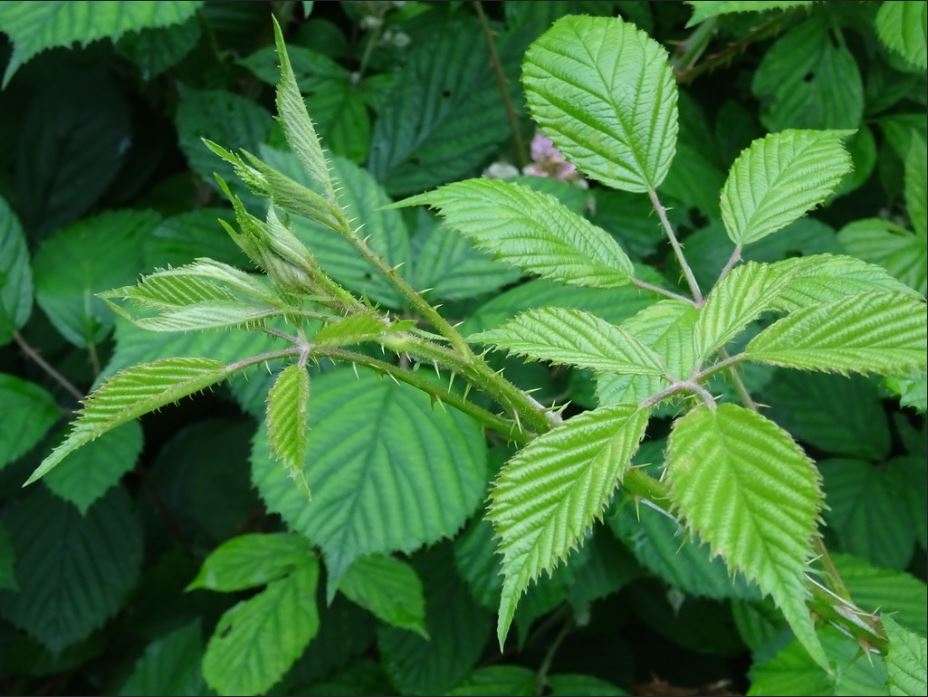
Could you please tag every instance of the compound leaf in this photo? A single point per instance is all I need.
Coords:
(745, 487)
(548, 495)
(603, 91)
(780, 178)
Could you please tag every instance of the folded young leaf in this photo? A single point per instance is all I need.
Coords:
(131, 393)
(603, 91)
(876, 332)
(531, 230)
(252, 560)
(358, 328)
(549, 494)
(287, 422)
(574, 337)
(739, 299)
(745, 487)
(780, 178)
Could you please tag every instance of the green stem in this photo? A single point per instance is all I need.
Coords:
(262, 358)
(677, 249)
(730, 264)
(693, 47)
(644, 285)
(36, 358)
(541, 678)
(503, 85)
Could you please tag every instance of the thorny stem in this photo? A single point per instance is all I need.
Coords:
(504, 427)
(502, 84)
(831, 571)
(644, 285)
(262, 358)
(677, 249)
(36, 357)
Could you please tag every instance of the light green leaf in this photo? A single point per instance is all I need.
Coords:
(74, 571)
(388, 470)
(780, 178)
(547, 496)
(15, 275)
(704, 9)
(258, 640)
(903, 27)
(457, 626)
(88, 473)
(880, 241)
(129, 394)
(530, 230)
(252, 560)
(809, 79)
(912, 389)
(28, 412)
(170, 665)
(916, 164)
(871, 332)
(287, 427)
(88, 257)
(741, 298)
(906, 660)
(390, 589)
(298, 127)
(864, 511)
(7, 562)
(356, 329)
(573, 337)
(603, 91)
(746, 488)
(444, 116)
(34, 27)
(824, 278)
(886, 591)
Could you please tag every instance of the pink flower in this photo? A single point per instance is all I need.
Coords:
(548, 161)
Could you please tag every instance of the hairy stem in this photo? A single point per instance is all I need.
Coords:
(36, 358)
(504, 427)
(731, 263)
(262, 358)
(677, 249)
(503, 85)
(644, 285)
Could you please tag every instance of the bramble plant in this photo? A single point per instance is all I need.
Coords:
(728, 474)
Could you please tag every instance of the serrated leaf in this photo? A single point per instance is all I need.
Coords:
(35, 27)
(156, 50)
(704, 9)
(548, 495)
(389, 588)
(903, 27)
(88, 257)
(88, 473)
(912, 389)
(28, 412)
(809, 79)
(128, 395)
(746, 488)
(530, 230)
(603, 91)
(574, 337)
(356, 329)
(906, 660)
(886, 591)
(15, 275)
(864, 511)
(298, 127)
(287, 427)
(74, 571)
(880, 241)
(312, 71)
(251, 560)
(413, 472)
(185, 237)
(871, 332)
(257, 641)
(916, 164)
(780, 178)
(824, 278)
(170, 665)
(741, 298)
(443, 117)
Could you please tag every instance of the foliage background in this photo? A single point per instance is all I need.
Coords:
(103, 177)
